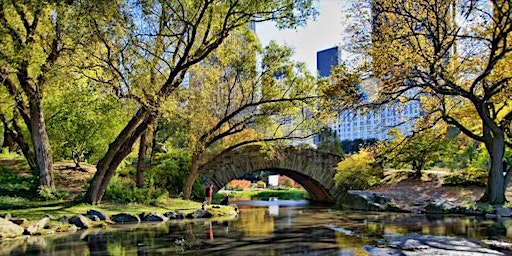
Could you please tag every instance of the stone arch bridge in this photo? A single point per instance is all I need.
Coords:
(313, 169)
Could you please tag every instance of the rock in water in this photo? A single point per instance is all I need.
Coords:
(32, 229)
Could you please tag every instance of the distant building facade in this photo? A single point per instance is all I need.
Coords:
(375, 124)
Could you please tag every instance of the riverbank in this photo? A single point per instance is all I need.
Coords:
(427, 195)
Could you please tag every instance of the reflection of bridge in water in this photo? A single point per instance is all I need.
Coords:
(312, 169)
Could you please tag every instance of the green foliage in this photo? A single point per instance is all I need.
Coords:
(329, 142)
(12, 184)
(48, 194)
(83, 121)
(417, 151)
(466, 177)
(289, 194)
(172, 170)
(358, 171)
(353, 146)
(125, 191)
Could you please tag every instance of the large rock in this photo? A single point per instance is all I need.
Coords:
(80, 221)
(9, 229)
(368, 201)
(33, 229)
(439, 206)
(415, 244)
(125, 218)
(154, 217)
(174, 215)
(99, 214)
(503, 212)
(199, 213)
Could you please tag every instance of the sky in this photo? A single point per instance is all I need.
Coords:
(322, 33)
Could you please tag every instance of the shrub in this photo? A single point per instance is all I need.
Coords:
(261, 184)
(172, 170)
(238, 185)
(12, 184)
(125, 191)
(358, 171)
(286, 182)
(466, 177)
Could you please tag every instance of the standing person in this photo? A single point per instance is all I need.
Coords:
(208, 193)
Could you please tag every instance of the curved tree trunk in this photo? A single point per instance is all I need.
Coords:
(41, 143)
(189, 182)
(117, 151)
(495, 191)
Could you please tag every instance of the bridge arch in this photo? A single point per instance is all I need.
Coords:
(313, 169)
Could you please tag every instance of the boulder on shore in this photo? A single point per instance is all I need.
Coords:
(153, 217)
(80, 221)
(9, 229)
(198, 214)
(97, 213)
(122, 218)
(368, 201)
(33, 229)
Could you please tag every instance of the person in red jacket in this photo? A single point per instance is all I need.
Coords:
(208, 193)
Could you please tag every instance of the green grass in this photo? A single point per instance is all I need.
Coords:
(292, 194)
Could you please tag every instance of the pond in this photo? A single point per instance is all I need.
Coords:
(262, 228)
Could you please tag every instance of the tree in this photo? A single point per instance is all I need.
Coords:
(330, 142)
(82, 120)
(455, 57)
(231, 103)
(179, 35)
(34, 37)
(419, 149)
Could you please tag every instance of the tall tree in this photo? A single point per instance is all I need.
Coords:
(180, 34)
(451, 55)
(418, 150)
(33, 39)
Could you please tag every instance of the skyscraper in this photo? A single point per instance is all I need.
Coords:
(375, 124)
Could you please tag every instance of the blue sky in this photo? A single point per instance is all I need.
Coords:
(319, 34)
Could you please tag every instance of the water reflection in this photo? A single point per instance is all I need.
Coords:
(262, 228)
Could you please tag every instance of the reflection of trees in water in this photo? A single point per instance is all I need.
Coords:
(255, 232)
(293, 241)
(443, 225)
(256, 223)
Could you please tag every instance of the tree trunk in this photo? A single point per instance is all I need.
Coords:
(495, 191)
(189, 182)
(19, 139)
(117, 151)
(9, 141)
(142, 155)
(416, 167)
(41, 144)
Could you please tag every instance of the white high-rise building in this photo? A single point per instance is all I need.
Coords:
(374, 124)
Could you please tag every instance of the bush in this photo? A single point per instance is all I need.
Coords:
(172, 170)
(466, 177)
(125, 191)
(238, 185)
(261, 184)
(12, 184)
(358, 171)
(286, 182)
